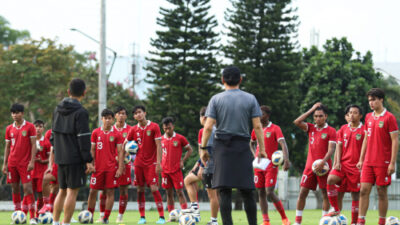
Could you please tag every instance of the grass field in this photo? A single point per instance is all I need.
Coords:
(310, 217)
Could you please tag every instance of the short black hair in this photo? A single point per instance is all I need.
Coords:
(138, 107)
(203, 111)
(323, 108)
(107, 112)
(167, 120)
(353, 106)
(231, 75)
(38, 122)
(77, 87)
(16, 108)
(377, 93)
(266, 109)
(119, 109)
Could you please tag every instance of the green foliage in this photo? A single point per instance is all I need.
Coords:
(9, 36)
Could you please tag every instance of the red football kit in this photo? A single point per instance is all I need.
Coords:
(146, 157)
(105, 164)
(379, 148)
(351, 140)
(43, 151)
(171, 157)
(20, 151)
(54, 167)
(272, 136)
(318, 145)
(125, 178)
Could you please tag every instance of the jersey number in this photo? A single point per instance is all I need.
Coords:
(93, 180)
(99, 145)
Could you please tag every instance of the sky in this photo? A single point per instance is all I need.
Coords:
(368, 24)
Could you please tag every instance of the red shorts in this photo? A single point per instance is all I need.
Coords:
(103, 180)
(169, 180)
(37, 184)
(266, 178)
(145, 175)
(54, 172)
(350, 180)
(375, 175)
(310, 180)
(125, 179)
(15, 174)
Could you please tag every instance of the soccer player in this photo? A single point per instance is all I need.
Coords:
(321, 145)
(265, 180)
(172, 163)
(148, 160)
(19, 159)
(106, 143)
(378, 154)
(191, 184)
(41, 162)
(345, 173)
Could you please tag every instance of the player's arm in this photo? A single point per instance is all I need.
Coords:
(93, 152)
(363, 150)
(6, 154)
(51, 161)
(253, 147)
(33, 153)
(210, 122)
(338, 156)
(189, 151)
(395, 143)
(260, 136)
(159, 155)
(121, 156)
(299, 122)
(286, 162)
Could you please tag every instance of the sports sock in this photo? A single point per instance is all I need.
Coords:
(103, 198)
(332, 196)
(278, 205)
(141, 202)
(194, 205)
(361, 220)
(324, 212)
(39, 204)
(213, 219)
(382, 220)
(56, 222)
(17, 201)
(184, 206)
(265, 217)
(46, 200)
(299, 216)
(159, 204)
(354, 211)
(123, 201)
(25, 207)
(91, 210)
(30, 200)
(170, 207)
(107, 213)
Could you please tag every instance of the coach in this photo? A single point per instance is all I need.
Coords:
(233, 111)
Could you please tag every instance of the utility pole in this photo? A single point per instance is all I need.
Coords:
(102, 73)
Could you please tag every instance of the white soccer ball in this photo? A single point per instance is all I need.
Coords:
(277, 158)
(46, 218)
(325, 169)
(187, 220)
(131, 147)
(174, 215)
(391, 220)
(85, 217)
(18, 217)
(127, 159)
(342, 219)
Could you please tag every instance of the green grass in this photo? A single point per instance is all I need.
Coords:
(310, 217)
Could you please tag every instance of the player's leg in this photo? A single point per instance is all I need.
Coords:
(92, 200)
(355, 196)
(53, 194)
(214, 205)
(151, 178)
(182, 198)
(58, 204)
(301, 202)
(69, 204)
(191, 186)
(332, 192)
(39, 203)
(364, 202)
(250, 205)
(383, 203)
(46, 188)
(75, 178)
(30, 199)
(225, 197)
(123, 202)
(271, 196)
(177, 180)
(170, 199)
(102, 204)
(109, 203)
(262, 198)
(340, 199)
(139, 182)
(16, 195)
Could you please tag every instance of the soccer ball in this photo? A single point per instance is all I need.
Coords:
(391, 220)
(277, 158)
(325, 220)
(342, 219)
(85, 217)
(325, 169)
(187, 220)
(18, 217)
(46, 218)
(131, 147)
(174, 215)
(127, 159)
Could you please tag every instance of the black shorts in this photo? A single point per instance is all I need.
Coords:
(72, 176)
(196, 171)
(207, 180)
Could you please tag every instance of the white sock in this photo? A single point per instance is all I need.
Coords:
(66, 224)
(324, 212)
(120, 215)
(213, 219)
(299, 212)
(194, 205)
(56, 222)
(101, 215)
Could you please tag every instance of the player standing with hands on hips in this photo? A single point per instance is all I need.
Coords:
(232, 111)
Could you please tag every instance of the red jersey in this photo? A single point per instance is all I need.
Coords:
(106, 148)
(351, 139)
(379, 142)
(318, 142)
(122, 131)
(172, 152)
(272, 135)
(43, 152)
(20, 146)
(47, 135)
(146, 138)
(200, 136)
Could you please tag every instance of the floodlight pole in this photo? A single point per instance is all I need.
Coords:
(102, 73)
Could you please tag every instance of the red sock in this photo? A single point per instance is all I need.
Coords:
(25, 207)
(123, 201)
(382, 220)
(361, 220)
(332, 196)
(141, 202)
(265, 217)
(354, 212)
(103, 198)
(52, 198)
(281, 210)
(159, 204)
(91, 210)
(30, 200)
(184, 206)
(170, 207)
(39, 205)
(298, 219)
(46, 200)
(106, 214)
(17, 201)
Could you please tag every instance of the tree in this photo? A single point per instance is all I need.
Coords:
(261, 43)
(183, 67)
(9, 36)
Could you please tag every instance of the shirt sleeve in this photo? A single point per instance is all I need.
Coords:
(93, 137)
(255, 109)
(392, 125)
(184, 142)
(129, 137)
(279, 135)
(200, 136)
(339, 135)
(211, 109)
(8, 137)
(310, 127)
(32, 131)
(332, 135)
(253, 135)
(157, 132)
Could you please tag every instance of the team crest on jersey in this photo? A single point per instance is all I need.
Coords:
(148, 132)
(12, 134)
(268, 134)
(380, 124)
(24, 133)
(175, 143)
(111, 138)
(358, 137)
(324, 135)
(125, 134)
